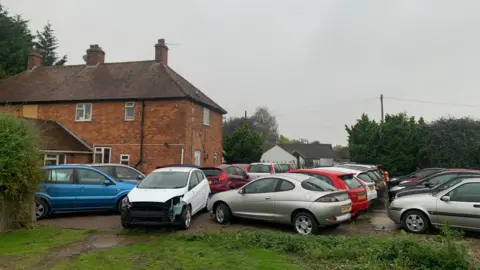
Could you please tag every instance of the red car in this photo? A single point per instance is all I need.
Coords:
(344, 181)
(225, 177)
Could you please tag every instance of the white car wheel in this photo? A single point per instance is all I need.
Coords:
(188, 218)
(415, 222)
(220, 214)
(305, 224)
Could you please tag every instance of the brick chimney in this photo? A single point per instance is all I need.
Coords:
(95, 55)
(161, 52)
(34, 60)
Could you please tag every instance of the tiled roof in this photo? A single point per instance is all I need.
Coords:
(56, 137)
(309, 151)
(109, 81)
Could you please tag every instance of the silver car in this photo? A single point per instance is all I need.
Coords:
(301, 200)
(459, 205)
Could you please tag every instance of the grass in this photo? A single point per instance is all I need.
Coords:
(245, 250)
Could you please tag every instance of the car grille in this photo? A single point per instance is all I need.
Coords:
(149, 206)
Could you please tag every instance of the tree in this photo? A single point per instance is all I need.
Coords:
(20, 172)
(243, 145)
(47, 44)
(265, 123)
(232, 123)
(283, 139)
(341, 152)
(363, 138)
(15, 44)
(300, 140)
(315, 142)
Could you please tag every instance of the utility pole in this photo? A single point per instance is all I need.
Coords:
(381, 106)
(245, 115)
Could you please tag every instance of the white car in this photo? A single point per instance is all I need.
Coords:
(361, 176)
(167, 196)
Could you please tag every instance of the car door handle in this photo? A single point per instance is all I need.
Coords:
(267, 198)
(476, 205)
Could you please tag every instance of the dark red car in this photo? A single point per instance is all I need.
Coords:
(344, 181)
(225, 177)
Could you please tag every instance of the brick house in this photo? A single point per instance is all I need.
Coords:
(140, 113)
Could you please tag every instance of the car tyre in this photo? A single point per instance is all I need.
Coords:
(305, 223)
(416, 222)
(119, 206)
(41, 209)
(222, 212)
(125, 223)
(186, 218)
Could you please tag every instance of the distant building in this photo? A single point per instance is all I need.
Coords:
(301, 155)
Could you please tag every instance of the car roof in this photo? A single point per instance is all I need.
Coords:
(175, 169)
(471, 180)
(262, 163)
(360, 165)
(327, 172)
(293, 176)
(339, 169)
(68, 166)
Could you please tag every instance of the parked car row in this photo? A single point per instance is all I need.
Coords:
(433, 196)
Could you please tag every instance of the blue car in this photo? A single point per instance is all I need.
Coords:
(78, 188)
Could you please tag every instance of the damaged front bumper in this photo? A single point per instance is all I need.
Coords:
(153, 213)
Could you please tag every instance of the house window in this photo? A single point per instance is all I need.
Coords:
(54, 159)
(206, 116)
(129, 111)
(125, 159)
(83, 112)
(102, 154)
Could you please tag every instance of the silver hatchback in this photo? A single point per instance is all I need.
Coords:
(301, 200)
(458, 205)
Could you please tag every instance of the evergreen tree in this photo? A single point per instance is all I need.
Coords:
(47, 44)
(15, 43)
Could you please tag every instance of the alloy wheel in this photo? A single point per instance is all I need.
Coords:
(415, 223)
(39, 209)
(303, 225)
(188, 218)
(219, 214)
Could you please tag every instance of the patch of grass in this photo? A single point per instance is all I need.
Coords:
(37, 241)
(168, 253)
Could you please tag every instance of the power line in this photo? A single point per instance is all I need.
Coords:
(432, 102)
(326, 104)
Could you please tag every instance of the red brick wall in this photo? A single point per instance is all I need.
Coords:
(172, 122)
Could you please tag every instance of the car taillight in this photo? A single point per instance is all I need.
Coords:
(223, 176)
(272, 170)
(327, 198)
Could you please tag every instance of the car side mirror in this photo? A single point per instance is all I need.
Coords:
(106, 182)
(139, 177)
(241, 191)
(445, 198)
(428, 185)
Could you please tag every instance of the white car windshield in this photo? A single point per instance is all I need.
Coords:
(165, 180)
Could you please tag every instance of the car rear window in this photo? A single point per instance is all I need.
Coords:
(365, 177)
(373, 176)
(259, 168)
(350, 181)
(379, 174)
(315, 184)
(211, 171)
(241, 166)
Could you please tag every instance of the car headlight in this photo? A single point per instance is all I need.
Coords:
(126, 202)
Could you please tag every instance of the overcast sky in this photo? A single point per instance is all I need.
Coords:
(317, 65)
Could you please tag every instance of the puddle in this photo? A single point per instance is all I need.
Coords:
(106, 242)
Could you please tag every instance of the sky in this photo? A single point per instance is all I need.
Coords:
(317, 65)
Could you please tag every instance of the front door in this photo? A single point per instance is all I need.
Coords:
(194, 195)
(257, 200)
(93, 193)
(463, 209)
(196, 157)
(60, 189)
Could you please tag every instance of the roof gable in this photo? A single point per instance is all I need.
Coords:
(109, 81)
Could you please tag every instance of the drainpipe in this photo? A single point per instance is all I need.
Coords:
(142, 127)
(181, 158)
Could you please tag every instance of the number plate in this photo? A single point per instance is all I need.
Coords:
(347, 208)
(362, 196)
(372, 187)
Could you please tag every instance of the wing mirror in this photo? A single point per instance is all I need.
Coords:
(106, 182)
(445, 198)
(241, 191)
(428, 185)
(139, 177)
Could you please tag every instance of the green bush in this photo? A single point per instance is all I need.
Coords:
(20, 172)
(363, 252)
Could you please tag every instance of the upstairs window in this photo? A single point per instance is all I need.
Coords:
(83, 112)
(206, 116)
(125, 159)
(129, 111)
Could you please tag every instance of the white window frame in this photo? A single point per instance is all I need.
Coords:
(101, 151)
(129, 105)
(82, 107)
(125, 158)
(206, 116)
(56, 158)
